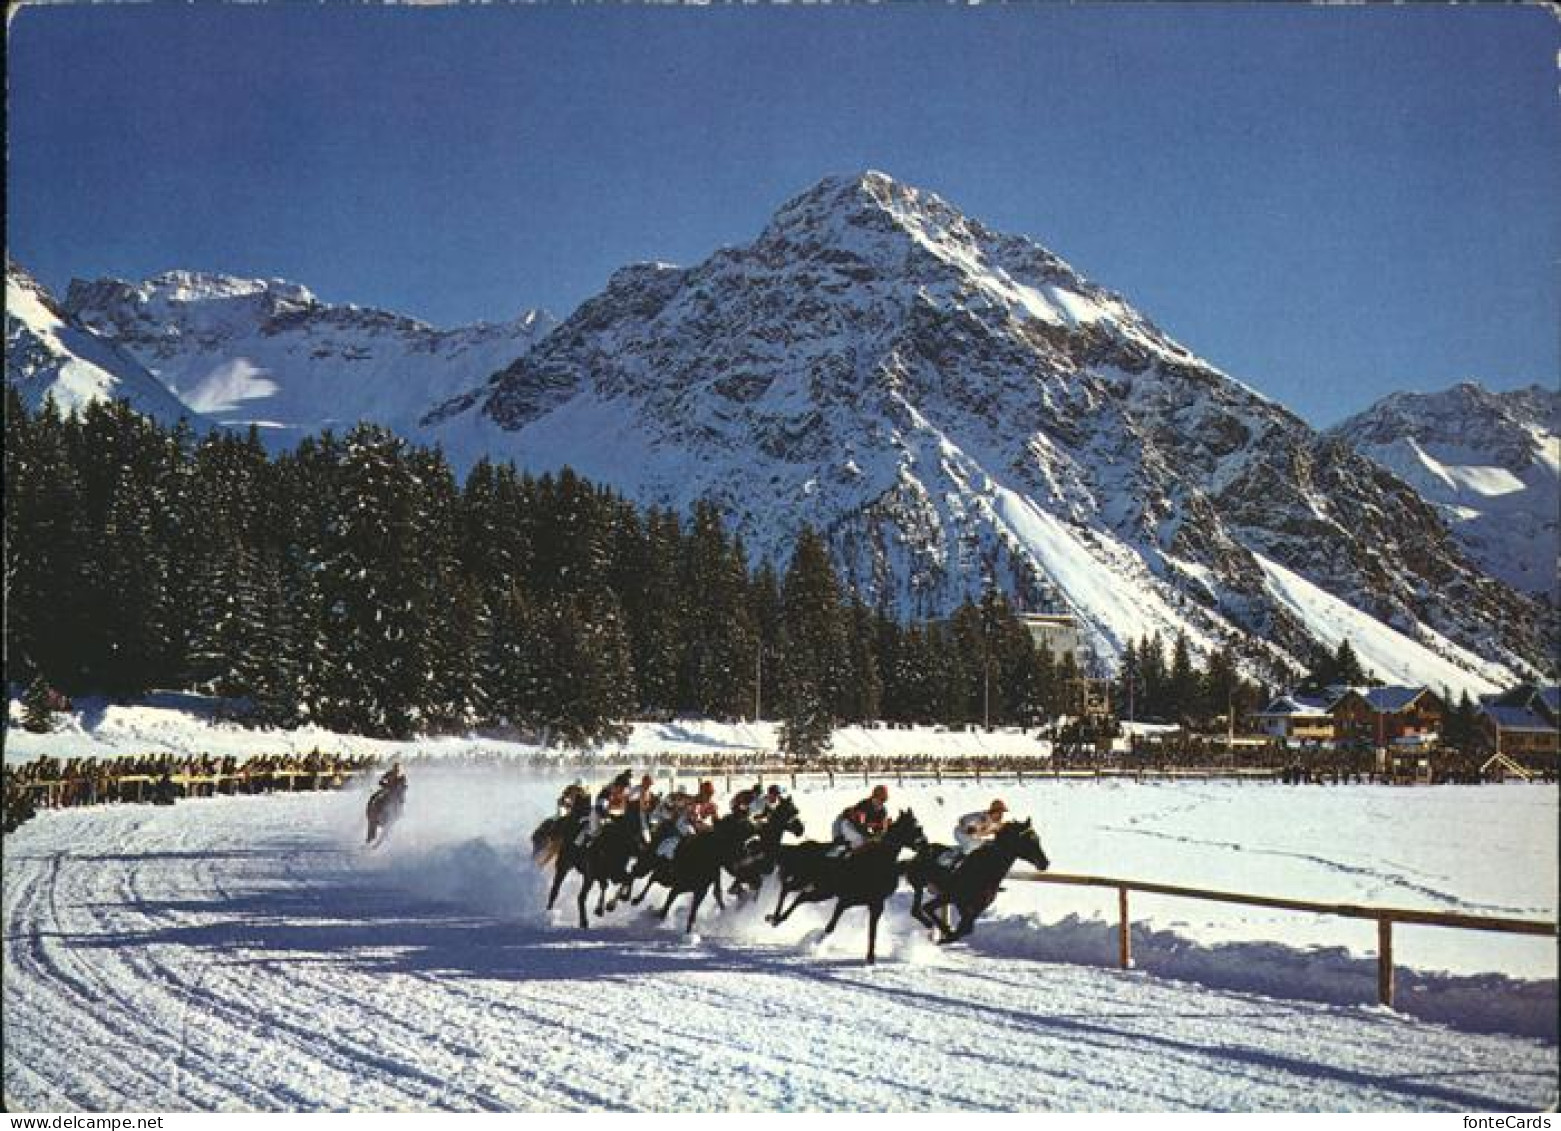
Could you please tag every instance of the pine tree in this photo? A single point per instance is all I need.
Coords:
(1183, 690)
(764, 608)
(862, 700)
(814, 658)
(38, 707)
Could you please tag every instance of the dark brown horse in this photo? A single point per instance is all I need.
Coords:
(761, 852)
(866, 877)
(972, 884)
(604, 860)
(383, 810)
(695, 867)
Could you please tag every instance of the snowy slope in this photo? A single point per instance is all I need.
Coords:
(246, 953)
(1491, 462)
(953, 405)
(269, 352)
(50, 354)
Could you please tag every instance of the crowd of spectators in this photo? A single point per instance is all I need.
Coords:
(54, 783)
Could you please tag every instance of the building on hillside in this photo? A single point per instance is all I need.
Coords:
(1298, 720)
(1058, 633)
(1389, 716)
(1524, 724)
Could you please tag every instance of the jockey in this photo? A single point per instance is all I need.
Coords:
(697, 815)
(609, 803)
(393, 781)
(978, 828)
(759, 808)
(574, 801)
(864, 821)
(635, 798)
(743, 799)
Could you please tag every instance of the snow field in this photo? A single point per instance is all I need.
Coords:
(248, 953)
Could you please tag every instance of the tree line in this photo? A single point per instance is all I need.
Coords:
(354, 582)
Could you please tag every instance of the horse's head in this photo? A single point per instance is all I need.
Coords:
(785, 817)
(906, 832)
(1025, 843)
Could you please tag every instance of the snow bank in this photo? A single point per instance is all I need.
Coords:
(171, 722)
(1485, 1003)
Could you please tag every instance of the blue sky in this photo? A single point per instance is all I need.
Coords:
(1329, 203)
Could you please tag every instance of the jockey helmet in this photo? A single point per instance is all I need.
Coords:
(775, 790)
(880, 793)
(998, 806)
(706, 788)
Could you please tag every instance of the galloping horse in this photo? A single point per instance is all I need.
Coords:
(972, 884)
(696, 865)
(759, 855)
(382, 811)
(604, 860)
(551, 836)
(866, 877)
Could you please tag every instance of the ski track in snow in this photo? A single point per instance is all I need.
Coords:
(247, 953)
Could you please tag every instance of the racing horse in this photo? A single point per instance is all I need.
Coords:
(866, 877)
(760, 852)
(605, 859)
(695, 867)
(973, 883)
(383, 810)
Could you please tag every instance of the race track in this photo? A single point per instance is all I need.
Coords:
(246, 953)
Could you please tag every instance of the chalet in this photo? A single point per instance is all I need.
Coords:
(1299, 720)
(1524, 724)
(1388, 716)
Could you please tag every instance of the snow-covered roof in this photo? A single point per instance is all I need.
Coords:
(1298, 706)
(1390, 700)
(1516, 718)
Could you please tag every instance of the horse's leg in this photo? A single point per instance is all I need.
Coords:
(559, 873)
(806, 895)
(699, 897)
(715, 886)
(774, 916)
(782, 916)
(672, 893)
(840, 906)
(650, 883)
(937, 916)
(622, 893)
(601, 896)
(967, 922)
(874, 913)
(916, 910)
(585, 891)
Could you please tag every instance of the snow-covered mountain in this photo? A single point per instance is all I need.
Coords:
(1490, 462)
(951, 404)
(48, 353)
(269, 352)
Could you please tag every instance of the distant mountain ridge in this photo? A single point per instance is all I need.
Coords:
(1490, 462)
(950, 405)
(48, 353)
(953, 405)
(270, 352)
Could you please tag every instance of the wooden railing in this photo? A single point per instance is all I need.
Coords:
(1385, 916)
(955, 770)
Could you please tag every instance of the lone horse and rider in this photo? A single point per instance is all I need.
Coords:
(385, 804)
